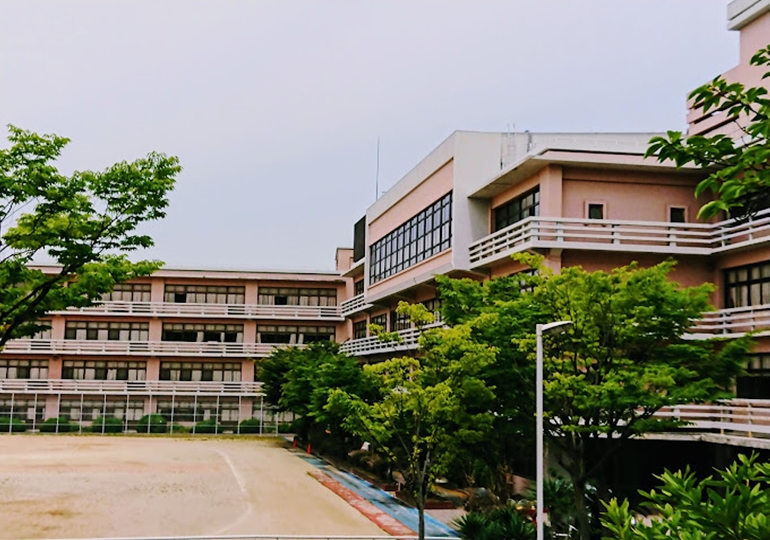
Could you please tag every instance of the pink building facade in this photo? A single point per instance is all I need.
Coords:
(183, 343)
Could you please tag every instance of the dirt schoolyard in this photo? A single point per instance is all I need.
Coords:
(61, 486)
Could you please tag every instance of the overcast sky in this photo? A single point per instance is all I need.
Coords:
(274, 107)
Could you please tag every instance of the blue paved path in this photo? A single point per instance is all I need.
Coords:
(382, 500)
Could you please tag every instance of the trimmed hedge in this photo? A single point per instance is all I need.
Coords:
(107, 424)
(63, 426)
(152, 423)
(250, 425)
(207, 426)
(177, 428)
(13, 425)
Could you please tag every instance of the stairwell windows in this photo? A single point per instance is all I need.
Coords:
(522, 207)
(424, 235)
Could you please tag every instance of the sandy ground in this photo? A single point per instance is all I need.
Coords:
(59, 486)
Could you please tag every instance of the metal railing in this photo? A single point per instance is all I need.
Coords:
(76, 386)
(355, 304)
(249, 311)
(620, 235)
(734, 321)
(373, 345)
(741, 417)
(139, 348)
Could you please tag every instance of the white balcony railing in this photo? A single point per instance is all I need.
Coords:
(373, 345)
(619, 235)
(63, 386)
(741, 417)
(218, 311)
(354, 305)
(137, 348)
(734, 321)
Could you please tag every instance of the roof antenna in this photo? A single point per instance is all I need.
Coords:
(377, 173)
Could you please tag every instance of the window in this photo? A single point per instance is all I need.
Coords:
(199, 333)
(424, 235)
(29, 409)
(380, 320)
(204, 294)
(399, 321)
(200, 371)
(522, 207)
(676, 214)
(595, 211)
(23, 369)
(107, 331)
(747, 285)
(358, 287)
(359, 329)
(756, 383)
(43, 334)
(103, 371)
(434, 306)
(277, 296)
(78, 410)
(128, 292)
(294, 335)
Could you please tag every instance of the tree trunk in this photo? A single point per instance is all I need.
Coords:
(584, 521)
(421, 509)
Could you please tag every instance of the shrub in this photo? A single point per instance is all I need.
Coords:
(57, 425)
(177, 428)
(504, 523)
(107, 424)
(152, 423)
(13, 425)
(250, 425)
(207, 426)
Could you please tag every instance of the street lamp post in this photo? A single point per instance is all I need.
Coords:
(542, 329)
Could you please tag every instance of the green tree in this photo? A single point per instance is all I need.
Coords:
(733, 505)
(623, 359)
(741, 178)
(424, 407)
(299, 380)
(85, 223)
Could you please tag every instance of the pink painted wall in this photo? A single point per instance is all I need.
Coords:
(628, 195)
(429, 191)
(550, 181)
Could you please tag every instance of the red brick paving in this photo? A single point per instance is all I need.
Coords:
(385, 522)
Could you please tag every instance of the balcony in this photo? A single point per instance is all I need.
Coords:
(737, 417)
(154, 388)
(734, 322)
(354, 305)
(619, 235)
(372, 345)
(214, 311)
(138, 348)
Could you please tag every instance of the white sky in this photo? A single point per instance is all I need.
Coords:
(274, 107)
